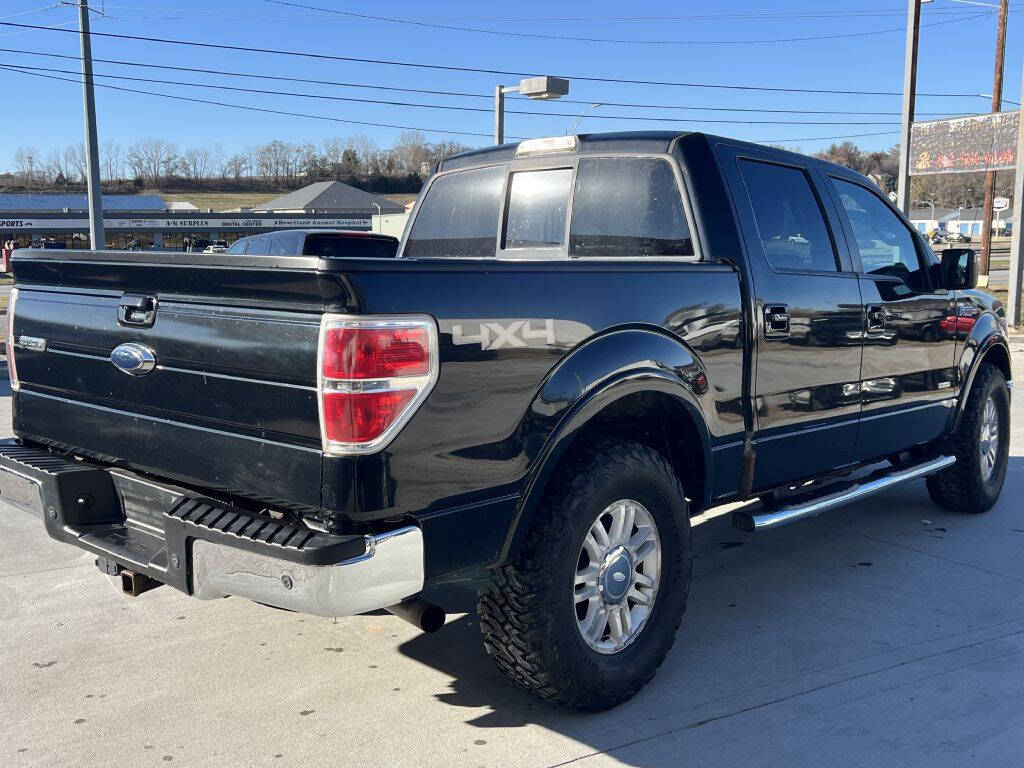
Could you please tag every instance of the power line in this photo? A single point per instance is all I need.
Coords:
(572, 38)
(254, 109)
(477, 70)
(824, 138)
(417, 105)
(461, 94)
(356, 122)
(731, 17)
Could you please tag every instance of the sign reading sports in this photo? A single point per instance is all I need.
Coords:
(965, 144)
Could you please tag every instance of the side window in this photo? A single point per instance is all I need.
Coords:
(626, 206)
(790, 222)
(537, 204)
(239, 246)
(459, 216)
(257, 245)
(275, 247)
(885, 245)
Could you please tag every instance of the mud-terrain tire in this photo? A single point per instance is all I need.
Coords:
(533, 611)
(972, 485)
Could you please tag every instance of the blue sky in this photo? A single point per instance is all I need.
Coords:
(956, 57)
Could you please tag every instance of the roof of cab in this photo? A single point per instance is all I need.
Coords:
(624, 141)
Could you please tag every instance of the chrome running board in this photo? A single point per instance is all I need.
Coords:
(763, 518)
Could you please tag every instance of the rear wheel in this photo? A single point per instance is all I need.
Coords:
(981, 445)
(589, 608)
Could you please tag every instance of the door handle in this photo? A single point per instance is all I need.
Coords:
(776, 321)
(876, 318)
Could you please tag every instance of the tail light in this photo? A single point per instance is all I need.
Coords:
(12, 369)
(373, 373)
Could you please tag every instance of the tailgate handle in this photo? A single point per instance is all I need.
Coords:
(138, 311)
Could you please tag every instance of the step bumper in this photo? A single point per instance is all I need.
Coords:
(207, 549)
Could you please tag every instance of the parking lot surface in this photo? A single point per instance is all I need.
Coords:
(886, 633)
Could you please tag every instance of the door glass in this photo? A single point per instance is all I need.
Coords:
(459, 216)
(627, 207)
(885, 245)
(790, 223)
(537, 203)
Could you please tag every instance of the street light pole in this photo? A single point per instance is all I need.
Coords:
(543, 88)
(909, 87)
(97, 237)
(499, 114)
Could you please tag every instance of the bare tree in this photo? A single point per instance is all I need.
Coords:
(217, 159)
(27, 163)
(75, 161)
(53, 167)
(411, 151)
(195, 163)
(236, 166)
(153, 159)
(112, 160)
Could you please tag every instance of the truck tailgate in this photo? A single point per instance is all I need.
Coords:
(231, 402)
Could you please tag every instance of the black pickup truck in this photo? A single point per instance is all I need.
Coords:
(583, 342)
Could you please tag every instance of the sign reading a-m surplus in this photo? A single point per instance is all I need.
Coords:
(965, 144)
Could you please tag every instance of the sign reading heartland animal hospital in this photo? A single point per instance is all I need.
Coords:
(197, 224)
(965, 144)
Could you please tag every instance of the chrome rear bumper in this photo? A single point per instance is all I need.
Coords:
(389, 572)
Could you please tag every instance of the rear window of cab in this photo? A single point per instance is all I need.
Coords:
(621, 207)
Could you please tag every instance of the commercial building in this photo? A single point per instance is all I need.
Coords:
(332, 197)
(147, 221)
(967, 221)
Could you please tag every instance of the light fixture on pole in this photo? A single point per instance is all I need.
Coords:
(543, 88)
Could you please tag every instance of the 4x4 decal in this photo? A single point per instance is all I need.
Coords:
(500, 334)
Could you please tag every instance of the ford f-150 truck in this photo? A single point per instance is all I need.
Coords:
(583, 342)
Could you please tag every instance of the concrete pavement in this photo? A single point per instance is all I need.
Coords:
(888, 633)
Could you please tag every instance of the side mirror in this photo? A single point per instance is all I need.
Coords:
(959, 268)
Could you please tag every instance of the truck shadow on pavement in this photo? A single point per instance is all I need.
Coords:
(790, 626)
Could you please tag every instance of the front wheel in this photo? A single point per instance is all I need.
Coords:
(981, 444)
(588, 610)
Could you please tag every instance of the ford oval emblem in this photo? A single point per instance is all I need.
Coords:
(134, 359)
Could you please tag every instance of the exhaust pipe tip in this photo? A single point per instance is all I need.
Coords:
(422, 614)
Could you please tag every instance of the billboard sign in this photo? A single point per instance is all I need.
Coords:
(965, 144)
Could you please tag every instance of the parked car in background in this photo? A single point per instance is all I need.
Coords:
(957, 237)
(937, 237)
(217, 246)
(329, 243)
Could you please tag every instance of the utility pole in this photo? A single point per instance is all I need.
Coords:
(990, 176)
(97, 237)
(909, 88)
(1017, 243)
